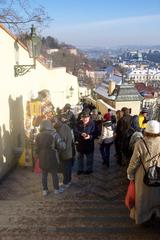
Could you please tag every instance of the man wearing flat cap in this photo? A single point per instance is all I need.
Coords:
(84, 136)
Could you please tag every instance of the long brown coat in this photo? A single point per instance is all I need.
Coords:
(147, 200)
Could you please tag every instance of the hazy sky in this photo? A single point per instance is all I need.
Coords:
(104, 23)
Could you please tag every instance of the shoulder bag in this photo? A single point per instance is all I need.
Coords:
(152, 174)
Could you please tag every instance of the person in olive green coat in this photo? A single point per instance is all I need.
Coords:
(66, 155)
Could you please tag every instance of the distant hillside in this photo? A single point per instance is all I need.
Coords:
(57, 54)
(64, 57)
(51, 43)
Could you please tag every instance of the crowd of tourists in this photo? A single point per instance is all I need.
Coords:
(64, 138)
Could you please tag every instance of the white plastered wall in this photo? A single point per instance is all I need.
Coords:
(15, 93)
(133, 105)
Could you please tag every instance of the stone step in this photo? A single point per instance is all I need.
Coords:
(91, 209)
(64, 211)
(54, 201)
(81, 233)
(109, 230)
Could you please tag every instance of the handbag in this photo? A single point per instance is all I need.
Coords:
(37, 169)
(130, 195)
(152, 174)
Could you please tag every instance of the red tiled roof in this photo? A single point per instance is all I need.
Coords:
(142, 87)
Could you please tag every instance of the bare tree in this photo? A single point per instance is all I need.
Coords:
(17, 14)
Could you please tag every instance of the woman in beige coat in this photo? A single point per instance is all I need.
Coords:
(147, 201)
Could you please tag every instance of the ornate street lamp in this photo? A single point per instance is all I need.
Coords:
(34, 46)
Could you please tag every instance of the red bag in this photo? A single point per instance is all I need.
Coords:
(37, 169)
(130, 195)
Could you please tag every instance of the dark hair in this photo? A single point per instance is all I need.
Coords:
(125, 110)
(144, 110)
(135, 123)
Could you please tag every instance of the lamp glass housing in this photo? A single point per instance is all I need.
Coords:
(34, 47)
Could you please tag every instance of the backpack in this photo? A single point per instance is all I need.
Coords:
(152, 174)
(126, 149)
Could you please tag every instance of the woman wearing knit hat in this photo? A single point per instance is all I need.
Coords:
(147, 199)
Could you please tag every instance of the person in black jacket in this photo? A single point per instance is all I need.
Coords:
(48, 142)
(84, 137)
(123, 124)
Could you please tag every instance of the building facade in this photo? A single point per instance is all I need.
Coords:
(125, 95)
(16, 90)
(144, 75)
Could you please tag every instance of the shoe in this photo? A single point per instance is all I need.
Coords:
(105, 163)
(66, 185)
(80, 172)
(60, 190)
(45, 192)
(119, 162)
(88, 172)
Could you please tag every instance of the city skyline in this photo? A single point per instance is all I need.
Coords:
(103, 23)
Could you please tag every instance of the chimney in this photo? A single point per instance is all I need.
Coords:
(111, 87)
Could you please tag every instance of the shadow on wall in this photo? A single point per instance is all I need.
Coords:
(5, 151)
(1, 151)
(16, 122)
(12, 142)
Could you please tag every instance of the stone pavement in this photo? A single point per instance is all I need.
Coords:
(92, 208)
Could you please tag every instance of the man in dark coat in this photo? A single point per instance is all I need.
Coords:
(123, 125)
(84, 137)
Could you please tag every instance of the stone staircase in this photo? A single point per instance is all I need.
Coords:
(92, 208)
(51, 219)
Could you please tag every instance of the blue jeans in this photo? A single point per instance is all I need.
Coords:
(54, 179)
(89, 162)
(67, 170)
(105, 152)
